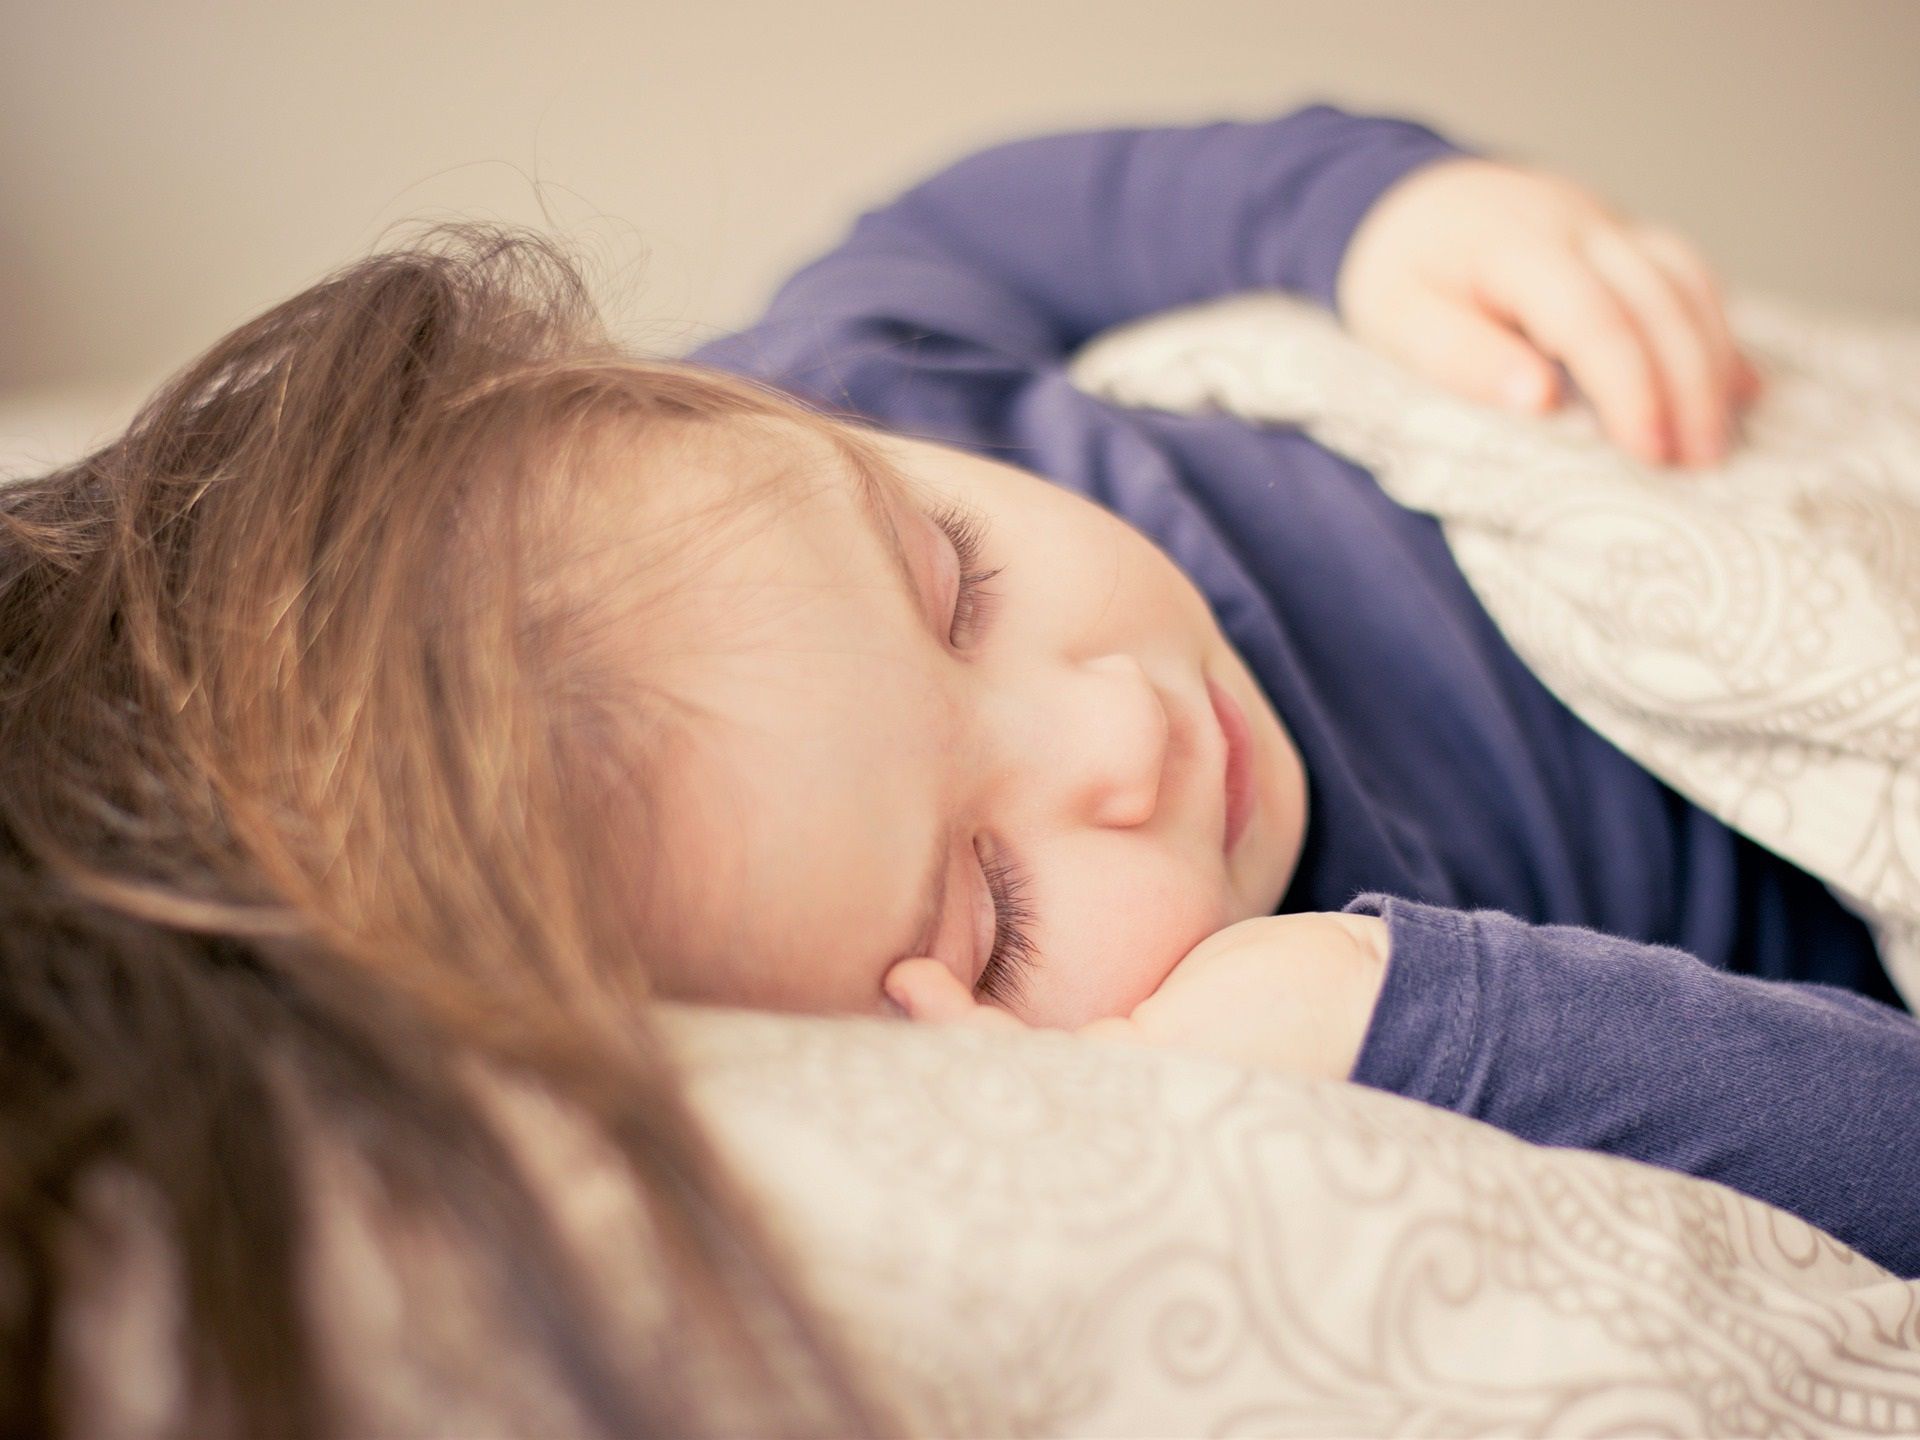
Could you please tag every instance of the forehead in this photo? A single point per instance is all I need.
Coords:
(662, 504)
(798, 810)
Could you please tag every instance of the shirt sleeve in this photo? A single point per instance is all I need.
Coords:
(1803, 1095)
(938, 307)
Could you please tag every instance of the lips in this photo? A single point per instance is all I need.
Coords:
(1237, 772)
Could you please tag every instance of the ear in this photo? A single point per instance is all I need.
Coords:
(929, 991)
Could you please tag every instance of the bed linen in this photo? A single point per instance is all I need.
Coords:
(1037, 1235)
(1033, 1234)
(1749, 634)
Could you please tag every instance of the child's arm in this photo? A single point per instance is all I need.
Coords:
(1804, 1095)
(939, 306)
(1801, 1095)
(1290, 993)
(943, 311)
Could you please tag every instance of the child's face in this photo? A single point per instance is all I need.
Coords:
(874, 762)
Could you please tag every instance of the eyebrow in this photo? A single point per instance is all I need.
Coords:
(878, 485)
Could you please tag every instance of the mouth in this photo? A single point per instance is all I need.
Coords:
(1237, 773)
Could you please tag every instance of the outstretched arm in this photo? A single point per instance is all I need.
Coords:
(1802, 1095)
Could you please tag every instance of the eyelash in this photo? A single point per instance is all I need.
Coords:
(1006, 969)
(966, 531)
(1012, 954)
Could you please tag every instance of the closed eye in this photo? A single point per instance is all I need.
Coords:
(966, 531)
(1002, 979)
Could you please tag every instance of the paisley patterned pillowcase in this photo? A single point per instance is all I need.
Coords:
(1041, 1235)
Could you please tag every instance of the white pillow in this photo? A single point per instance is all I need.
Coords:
(1043, 1235)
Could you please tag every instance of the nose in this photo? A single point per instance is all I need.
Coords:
(1102, 750)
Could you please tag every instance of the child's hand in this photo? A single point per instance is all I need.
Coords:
(1293, 993)
(1479, 275)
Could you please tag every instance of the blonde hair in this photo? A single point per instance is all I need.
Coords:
(312, 794)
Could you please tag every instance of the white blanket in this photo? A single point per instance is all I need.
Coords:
(1751, 635)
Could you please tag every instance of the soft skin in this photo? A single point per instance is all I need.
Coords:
(855, 733)
(860, 734)
(1485, 276)
(1290, 993)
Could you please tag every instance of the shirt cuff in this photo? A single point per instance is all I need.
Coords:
(1308, 256)
(1427, 1024)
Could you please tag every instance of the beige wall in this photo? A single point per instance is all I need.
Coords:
(170, 168)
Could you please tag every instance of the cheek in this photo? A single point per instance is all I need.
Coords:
(1110, 930)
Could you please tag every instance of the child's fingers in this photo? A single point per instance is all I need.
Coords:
(1465, 349)
(1698, 286)
(1571, 314)
(1695, 378)
(928, 991)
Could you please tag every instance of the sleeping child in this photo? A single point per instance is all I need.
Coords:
(861, 664)
(1019, 708)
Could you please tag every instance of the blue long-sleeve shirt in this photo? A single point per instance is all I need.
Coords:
(1440, 771)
